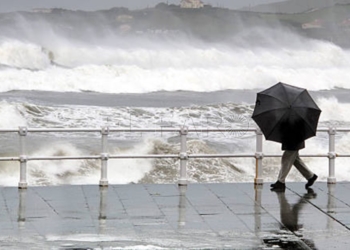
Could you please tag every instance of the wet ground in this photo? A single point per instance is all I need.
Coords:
(151, 216)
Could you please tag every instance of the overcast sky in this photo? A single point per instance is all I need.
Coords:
(90, 5)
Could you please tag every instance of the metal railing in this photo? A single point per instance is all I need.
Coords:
(183, 155)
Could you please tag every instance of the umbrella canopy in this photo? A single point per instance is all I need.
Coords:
(286, 113)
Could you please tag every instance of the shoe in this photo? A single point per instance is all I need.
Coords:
(278, 186)
(310, 194)
(311, 181)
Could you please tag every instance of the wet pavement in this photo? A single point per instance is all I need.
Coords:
(165, 216)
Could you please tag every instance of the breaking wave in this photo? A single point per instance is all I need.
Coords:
(316, 66)
(80, 52)
(77, 52)
(121, 171)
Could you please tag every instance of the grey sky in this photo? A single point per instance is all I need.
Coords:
(89, 5)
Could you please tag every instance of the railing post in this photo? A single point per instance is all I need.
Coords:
(331, 156)
(104, 156)
(22, 208)
(183, 156)
(258, 157)
(257, 208)
(102, 211)
(182, 206)
(22, 131)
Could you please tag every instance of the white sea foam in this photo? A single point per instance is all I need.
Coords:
(12, 115)
(333, 110)
(23, 55)
(128, 170)
(46, 59)
(186, 65)
(60, 172)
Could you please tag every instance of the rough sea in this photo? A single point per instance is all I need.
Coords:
(74, 69)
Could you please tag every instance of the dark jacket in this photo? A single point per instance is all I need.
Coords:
(292, 145)
(292, 136)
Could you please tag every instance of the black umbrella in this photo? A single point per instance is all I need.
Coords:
(286, 113)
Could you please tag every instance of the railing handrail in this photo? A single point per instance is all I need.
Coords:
(183, 155)
(155, 129)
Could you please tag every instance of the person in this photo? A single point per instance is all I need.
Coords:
(291, 145)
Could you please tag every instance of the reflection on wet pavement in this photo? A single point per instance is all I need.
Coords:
(210, 216)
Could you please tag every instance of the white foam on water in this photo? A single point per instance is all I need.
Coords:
(333, 110)
(12, 115)
(114, 64)
(123, 171)
(23, 55)
(130, 170)
(180, 65)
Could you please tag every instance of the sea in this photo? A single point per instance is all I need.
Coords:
(77, 69)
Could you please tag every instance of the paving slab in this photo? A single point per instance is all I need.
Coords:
(168, 216)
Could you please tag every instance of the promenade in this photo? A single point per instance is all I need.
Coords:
(165, 216)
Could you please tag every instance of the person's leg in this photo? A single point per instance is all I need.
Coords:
(288, 159)
(305, 171)
(302, 168)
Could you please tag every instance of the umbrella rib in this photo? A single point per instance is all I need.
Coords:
(286, 96)
(304, 106)
(276, 125)
(306, 122)
(281, 101)
(269, 111)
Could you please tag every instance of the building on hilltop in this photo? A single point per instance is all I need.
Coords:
(42, 10)
(191, 4)
(124, 18)
(315, 24)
